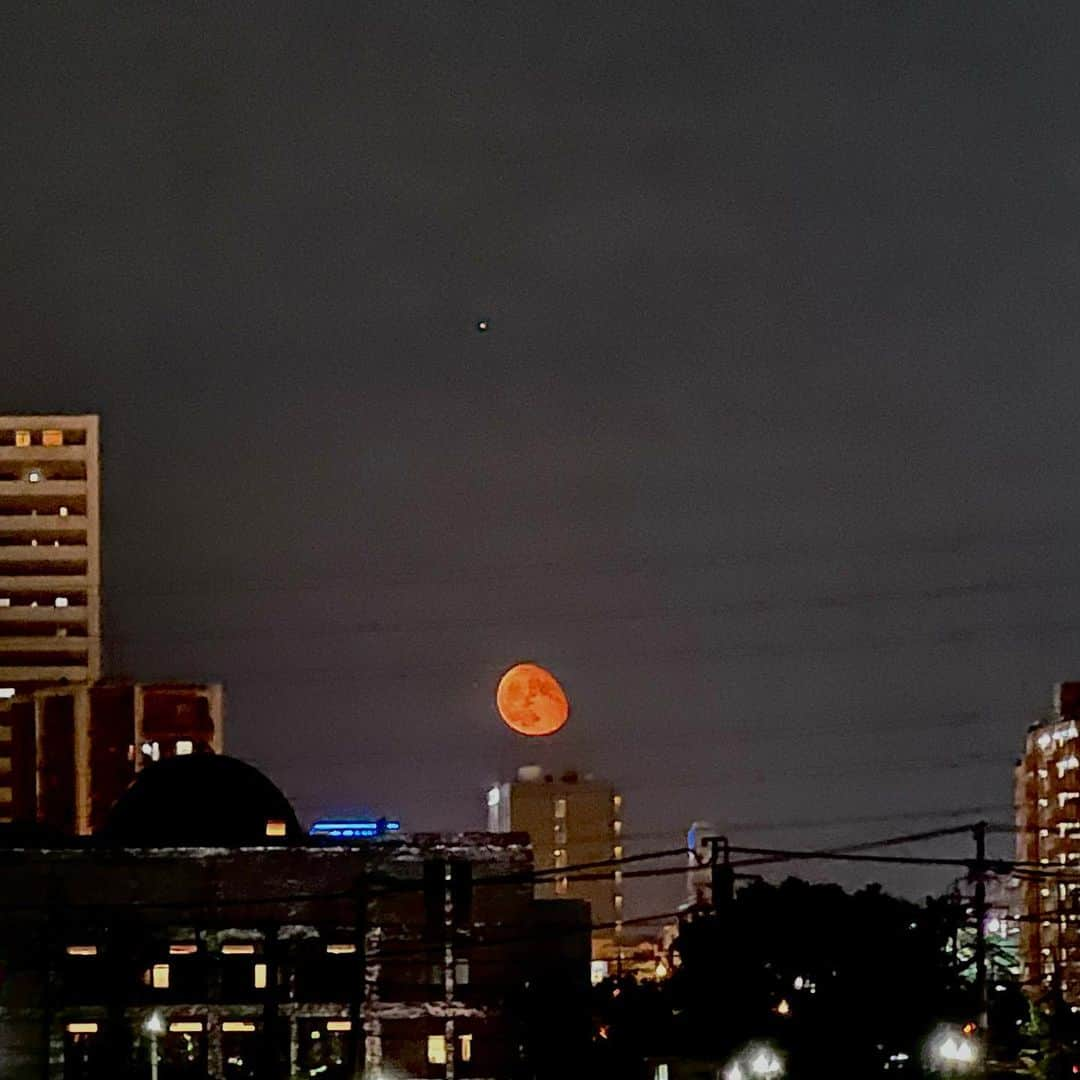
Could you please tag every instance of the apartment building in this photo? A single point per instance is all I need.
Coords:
(1048, 847)
(50, 552)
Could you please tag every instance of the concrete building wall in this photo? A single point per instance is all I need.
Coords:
(424, 958)
(570, 820)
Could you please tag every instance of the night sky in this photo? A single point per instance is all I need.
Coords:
(769, 452)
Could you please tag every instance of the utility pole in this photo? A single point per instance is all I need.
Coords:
(979, 872)
(723, 878)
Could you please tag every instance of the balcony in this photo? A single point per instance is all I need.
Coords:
(34, 673)
(11, 584)
(31, 455)
(22, 489)
(37, 526)
(17, 559)
(43, 644)
(36, 616)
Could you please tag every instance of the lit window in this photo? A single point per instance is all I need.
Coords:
(436, 1049)
(1044, 741)
(661, 1073)
(183, 950)
(275, 828)
(616, 802)
(60, 601)
(617, 851)
(617, 825)
(81, 950)
(22, 438)
(52, 437)
(5, 601)
(63, 511)
(6, 794)
(461, 972)
(560, 808)
(259, 980)
(82, 1028)
(597, 971)
(184, 747)
(341, 950)
(561, 885)
(34, 476)
(465, 1042)
(186, 1026)
(7, 692)
(238, 1026)
(560, 857)
(618, 901)
(5, 729)
(339, 1025)
(159, 976)
(238, 950)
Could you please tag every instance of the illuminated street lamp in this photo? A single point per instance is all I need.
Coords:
(756, 1063)
(954, 1052)
(155, 1026)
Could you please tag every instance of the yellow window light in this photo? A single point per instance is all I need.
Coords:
(436, 1049)
(238, 950)
(244, 1026)
(81, 950)
(52, 437)
(260, 977)
(22, 438)
(82, 1028)
(183, 950)
(339, 1025)
(186, 1025)
(159, 976)
(340, 950)
(275, 828)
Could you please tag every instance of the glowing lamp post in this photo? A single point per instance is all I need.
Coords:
(155, 1026)
(756, 1063)
(954, 1053)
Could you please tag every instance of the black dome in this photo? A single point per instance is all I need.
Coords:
(201, 800)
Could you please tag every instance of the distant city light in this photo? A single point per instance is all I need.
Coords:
(350, 829)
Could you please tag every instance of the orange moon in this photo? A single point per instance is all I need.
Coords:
(531, 701)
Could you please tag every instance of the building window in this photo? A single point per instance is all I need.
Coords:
(238, 950)
(561, 886)
(461, 973)
(82, 1027)
(184, 747)
(159, 976)
(560, 808)
(63, 511)
(259, 980)
(183, 950)
(344, 949)
(275, 828)
(60, 601)
(5, 601)
(81, 950)
(617, 851)
(5, 730)
(560, 857)
(35, 476)
(661, 1073)
(242, 1026)
(617, 825)
(339, 1025)
(22, 438)
(52, 437)
(465, 1041)
(186, 1027)
(616, 802)
(436, 1049)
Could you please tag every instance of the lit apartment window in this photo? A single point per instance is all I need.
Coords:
(616, 851)
(616, 802)
(618, 902)
(561, 885)
(183, 950)
(22, 437)
(436, 1049)
(344, 949)
(184, 747)
(63, 511)
(35, 476)
(465, 1042)
(81, 950)
(461, 972)
(52, 437)
(259, 977)
(5, 601)
(339, 1025)
(617, 826)
(560, 808)
(242, 1026)
(82, 1027)
(236, 949)
(275, 828)
(5, 693)
(560, 857)
(60, 601)
(661, 1072)
(186, 1026)
(159, 976)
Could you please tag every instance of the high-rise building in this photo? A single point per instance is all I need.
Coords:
(50, 560)
(81, 745)
(570, 820)
(1048, 843)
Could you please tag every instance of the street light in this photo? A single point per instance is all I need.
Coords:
(155, 1026)
(756, 1062)
(954, 1052)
